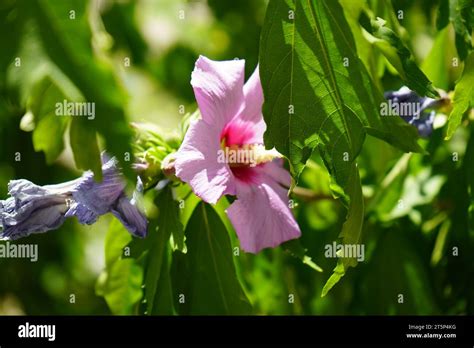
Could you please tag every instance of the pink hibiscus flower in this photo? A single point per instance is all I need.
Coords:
(223, 153)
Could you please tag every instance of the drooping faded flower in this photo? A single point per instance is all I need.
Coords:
(32, 208)
(223, 153)
(415, 110)
(37, 209)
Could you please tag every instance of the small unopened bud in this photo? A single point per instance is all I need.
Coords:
(167, 166)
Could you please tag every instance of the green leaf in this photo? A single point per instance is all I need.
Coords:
(369, 55)
(41, 85)
(338, 272)
(391, 187)
(36, 69)
(177, 230)
(384, 9)
(68, 44)
(468, 168)
(190, 201)
(418, 189)
(463, 96)
(123, 288)
(440, 243)
(164, 298)
(442, 17)
(221, 209)
(461, 15)
(307, 53)
(393, 48)
(296, 249)
(49, 130)
(407, 186)
(398, 253)
(115, 241)
(434, 65)
(121, 283)
(48, 136)
(351, 230)
(13, 24)
(84, 147)
(206, 275)
(157, 279)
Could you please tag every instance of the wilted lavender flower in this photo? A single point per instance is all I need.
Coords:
(37, 209)
(415, 110)
(32, 209)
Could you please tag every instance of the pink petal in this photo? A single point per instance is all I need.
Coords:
(196, 163)
(261, 217)
(218, 87)
(240, 132)
(277, 172)
(249, 122)
(253, 95)
(258, 130)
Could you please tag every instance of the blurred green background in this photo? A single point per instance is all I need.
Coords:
(408, 251)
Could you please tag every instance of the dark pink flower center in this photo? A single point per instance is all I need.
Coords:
(237, 133)
(235, 138)
(245, 174)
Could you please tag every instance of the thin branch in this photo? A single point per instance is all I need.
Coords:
(309, 195)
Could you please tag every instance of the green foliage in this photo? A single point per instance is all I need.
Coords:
(206, 274)
(434, 65)
(392, 47)
(463, 96)
(442, 16)
(12, 24)
(158, 295)
(396, 280)
(372, 59)
(123, 287)
(351, 230)
(461, 15)
(309, 48)
(121, 283)
(85, 148)
(67, 41)
(407, 187)
(324, 65)
(48, 133)
(344, 111)
(468, 166)
(294, 248)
